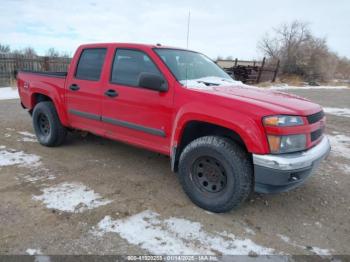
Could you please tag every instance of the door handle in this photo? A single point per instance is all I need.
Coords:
(74, 87)
(111, 93)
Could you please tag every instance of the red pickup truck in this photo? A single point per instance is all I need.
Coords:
(225, 140)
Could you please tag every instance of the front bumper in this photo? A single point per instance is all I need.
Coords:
(279, 173)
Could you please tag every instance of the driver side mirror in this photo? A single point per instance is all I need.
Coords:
(153, 82)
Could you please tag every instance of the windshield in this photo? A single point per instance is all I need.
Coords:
(191, 68)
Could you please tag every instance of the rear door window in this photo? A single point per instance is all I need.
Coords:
(129, 64)
(90, 64)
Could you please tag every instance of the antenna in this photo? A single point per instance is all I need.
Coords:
(188, 27)
(188, 36)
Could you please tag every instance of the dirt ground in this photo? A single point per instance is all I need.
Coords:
(312, 219)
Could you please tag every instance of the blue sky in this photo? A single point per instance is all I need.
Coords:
(226, 28)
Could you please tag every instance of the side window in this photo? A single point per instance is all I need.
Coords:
(129, 64)
(90, 64)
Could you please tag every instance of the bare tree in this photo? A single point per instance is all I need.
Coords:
(52, 52)
(343, 68)
(270, 46)
(286, 44)
(299, 51)
(4, 48)
(29, 52)
(319, 62)
(65, 55)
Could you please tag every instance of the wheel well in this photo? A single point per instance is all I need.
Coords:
(37, 98)
(196, 129)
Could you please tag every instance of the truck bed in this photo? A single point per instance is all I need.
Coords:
(30, 82)
(45, 73)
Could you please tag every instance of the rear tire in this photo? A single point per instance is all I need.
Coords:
(47, 125)
(216, 173)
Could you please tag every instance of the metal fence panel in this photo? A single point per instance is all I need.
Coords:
(251, 72)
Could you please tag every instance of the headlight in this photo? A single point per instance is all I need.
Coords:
(286, 144)
(282, 120)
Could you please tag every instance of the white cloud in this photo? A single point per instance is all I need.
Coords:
(217, 27)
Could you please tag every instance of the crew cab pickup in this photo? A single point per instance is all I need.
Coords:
(225, 139)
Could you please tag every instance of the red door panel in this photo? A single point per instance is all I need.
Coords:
(83, 91)
(137, 115)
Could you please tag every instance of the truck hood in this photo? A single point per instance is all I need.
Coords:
(271, 100)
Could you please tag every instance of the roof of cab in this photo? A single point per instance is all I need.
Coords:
(130, 45)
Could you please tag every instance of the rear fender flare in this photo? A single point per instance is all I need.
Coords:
(56, 99)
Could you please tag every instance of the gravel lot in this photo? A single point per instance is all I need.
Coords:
(96, 196)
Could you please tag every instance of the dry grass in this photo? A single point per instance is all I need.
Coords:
(292, 80)
(265, 84)
(13, 83)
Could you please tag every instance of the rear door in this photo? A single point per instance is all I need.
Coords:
(134, 114)
(84, 88)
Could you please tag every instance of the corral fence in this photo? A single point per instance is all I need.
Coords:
(10, 64)
(251, 72)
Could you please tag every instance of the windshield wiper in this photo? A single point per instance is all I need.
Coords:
(208, 83)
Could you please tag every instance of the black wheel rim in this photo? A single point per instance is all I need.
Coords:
(209, 175)
(43, 124)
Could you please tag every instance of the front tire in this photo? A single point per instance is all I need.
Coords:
(216, 173)
(47, 125)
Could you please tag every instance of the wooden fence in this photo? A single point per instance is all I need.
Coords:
(11, 63)
(245, 71)
(252, 72)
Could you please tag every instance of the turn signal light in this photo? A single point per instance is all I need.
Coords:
(274, 143)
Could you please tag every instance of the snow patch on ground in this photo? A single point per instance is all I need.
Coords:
(32, 252)
(285, 86)
(25, 133)
(249, 231)
(9, 157)
(8, 93)
(320, 251)
(27, 137)
(38, 177)
(340, 145)
(176, 236)
(337, 111)
(315, 250)
(71, 197)
(35, 175)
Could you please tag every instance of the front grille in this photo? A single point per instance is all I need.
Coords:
(315, 117)
(316, 134)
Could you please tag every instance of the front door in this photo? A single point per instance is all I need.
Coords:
(84, 88)
(134, 114)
